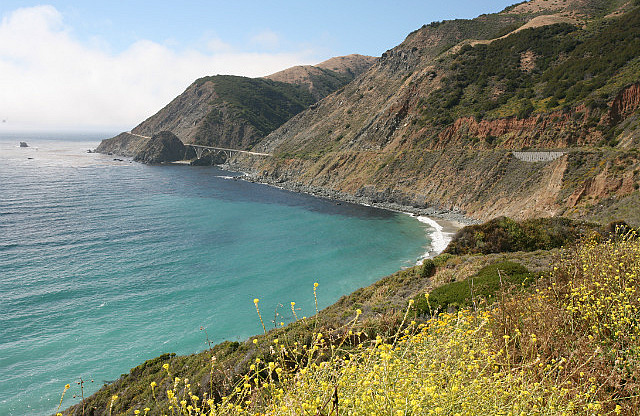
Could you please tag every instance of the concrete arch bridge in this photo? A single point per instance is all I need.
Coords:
(200, 150)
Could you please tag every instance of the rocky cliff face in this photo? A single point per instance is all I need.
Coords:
(432, 123)
(124, 144)
(162, 147)
(625, 103)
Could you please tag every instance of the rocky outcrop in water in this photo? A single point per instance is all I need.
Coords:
(162, 147)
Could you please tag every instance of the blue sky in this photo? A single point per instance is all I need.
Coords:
(105, 66)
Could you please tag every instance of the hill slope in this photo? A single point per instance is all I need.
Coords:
(326, 77)
(433, 123)
(237, 112)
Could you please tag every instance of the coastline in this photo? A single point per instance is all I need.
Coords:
(444, 223)
(444, 230)
(441, 225)
(449, 218)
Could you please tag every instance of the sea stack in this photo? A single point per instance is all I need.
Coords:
(162, 147)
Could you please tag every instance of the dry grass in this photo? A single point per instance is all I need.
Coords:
(570, 346)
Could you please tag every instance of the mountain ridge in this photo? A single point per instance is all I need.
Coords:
(436, 111)
(237, 112)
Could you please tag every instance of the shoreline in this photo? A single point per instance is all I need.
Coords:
(443, 233)
(444, 223)
(451, 218)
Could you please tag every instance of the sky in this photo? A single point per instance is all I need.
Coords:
(105, 66)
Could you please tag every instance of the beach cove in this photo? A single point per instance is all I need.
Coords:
(108, 263)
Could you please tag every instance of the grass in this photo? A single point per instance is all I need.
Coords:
(483, 286)
(567, 345)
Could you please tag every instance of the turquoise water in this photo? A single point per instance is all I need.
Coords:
(106, 263)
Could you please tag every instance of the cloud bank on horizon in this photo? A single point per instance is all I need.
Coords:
(51, 80)
(106, 66)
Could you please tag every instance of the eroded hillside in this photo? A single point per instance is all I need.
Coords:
(434, 122)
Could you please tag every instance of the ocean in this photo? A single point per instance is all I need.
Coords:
(105, 263)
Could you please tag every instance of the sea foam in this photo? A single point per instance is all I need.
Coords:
(440, 239)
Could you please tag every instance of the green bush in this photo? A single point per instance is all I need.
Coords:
(503, 235)
(483, 285)
(442, 259)
(428, 268)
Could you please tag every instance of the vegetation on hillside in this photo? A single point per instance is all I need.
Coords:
(491, 80)
(569, 344)
(451, 32)
(263, 103)
(483, 285)
(329, 81)
(504, 234)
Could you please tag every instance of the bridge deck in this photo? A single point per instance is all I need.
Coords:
(228, 150)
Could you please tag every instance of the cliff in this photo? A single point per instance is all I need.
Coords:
(162, 147)
(124, 144)
(434, 121)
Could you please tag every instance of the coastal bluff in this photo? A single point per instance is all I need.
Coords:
(162, 147)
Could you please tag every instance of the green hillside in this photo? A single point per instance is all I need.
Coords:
(263, 103)
(488, 81)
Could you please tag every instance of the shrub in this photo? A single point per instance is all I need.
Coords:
(428, 268)
(484, 285)
(503, 234)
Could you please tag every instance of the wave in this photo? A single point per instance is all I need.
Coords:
(440, 239)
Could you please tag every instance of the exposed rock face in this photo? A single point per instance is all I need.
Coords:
(558, 129)
(124, 144)
(625, 103)
(162, 147)
(372, 139)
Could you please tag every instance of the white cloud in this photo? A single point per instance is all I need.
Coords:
(218, 45)
(266, 39)
(50, 80)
